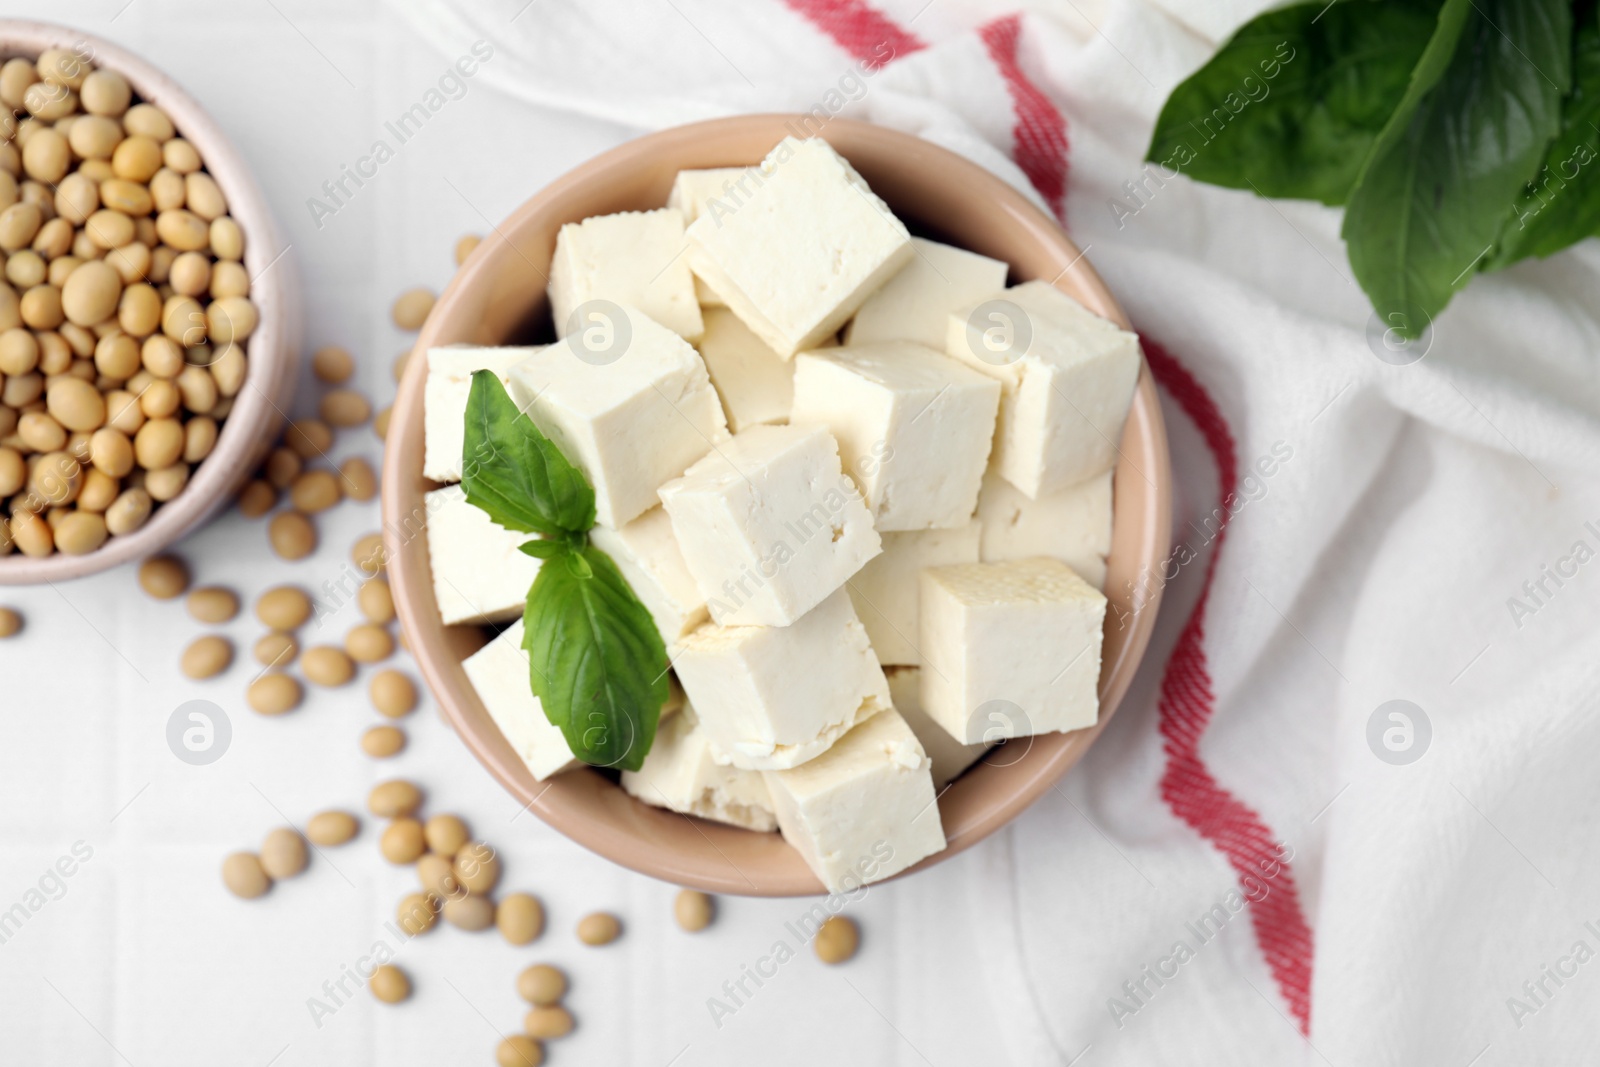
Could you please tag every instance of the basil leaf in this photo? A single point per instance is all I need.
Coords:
(515, 473)
(1292, 103)
(1561, 206)
(598, 664)
(1483, 105)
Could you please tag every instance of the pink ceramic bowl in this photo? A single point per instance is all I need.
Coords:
(499, 298)
(273, 349)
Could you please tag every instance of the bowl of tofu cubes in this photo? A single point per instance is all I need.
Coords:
(868, 441)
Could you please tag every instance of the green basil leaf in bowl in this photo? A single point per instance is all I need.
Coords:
(516, 474)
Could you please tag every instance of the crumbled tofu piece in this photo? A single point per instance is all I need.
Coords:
(444, 401)
(631, 420)
(647, 554)
(915, 304)
(1068, 376)
(636, 258)
(863, 810)
(499, 671)
(887, 591)
(717, 190)
(950, 757)
(800, 254)
(680, 774)
(769, 524)
(478, 573)
(1073, 525)
(914, 427)
(1010, 649)
(756, 386)
(772, 697)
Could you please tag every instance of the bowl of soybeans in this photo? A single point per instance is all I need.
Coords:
(149, 319)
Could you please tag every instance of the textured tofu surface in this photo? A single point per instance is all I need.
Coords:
(887, 592)
(630, 421)
(1072, 525)
(865, 809)
(1010, 649)
(499, 673)
(914, 427)
(799, 255)
(1068, 378)
(949, 756)
(444, 401)
(915, 304)
(680, 774)
(769, 524)
(772, 697)
(479, 575)
(634, 258)
(647, 554)
(756, 385)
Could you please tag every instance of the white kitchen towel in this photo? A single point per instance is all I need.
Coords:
(1345, 814)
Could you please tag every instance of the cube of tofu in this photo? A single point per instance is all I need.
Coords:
(630, 422)
(949, 756)
(647, 554)
(756, 386)
(499, 671)
(773, 697)
(800, 254)
(1068, 376)
(915, 304)
(634, 258)
(914, 427)
(1072, 525)
(478, 573)
(1010, 649)
(769, 524)
(865, 809)
(888, 590)
(444, 401)
(680, 774)
(717, 190)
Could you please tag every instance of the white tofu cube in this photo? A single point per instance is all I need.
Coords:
(915, 305)
(863, 810)
(631, 420)
(1073, 525)
(769, 524)
(914, 427)
(949, 756)
(800, 254)
(1068, 376)
(499, 671)
(717, 190)
(1010, 649)
(680, 775)
(888, 590)
(444, 401)
(635, 258)
(772, 697)
(756, 386)
(647, 554)
(479, 575)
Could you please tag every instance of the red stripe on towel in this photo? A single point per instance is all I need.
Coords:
(860, 29)
(1040, 132)
(1186, 708)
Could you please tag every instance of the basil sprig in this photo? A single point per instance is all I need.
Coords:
(596, 662)
(1463, 135)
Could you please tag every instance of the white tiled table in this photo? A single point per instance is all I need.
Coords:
(144, 959)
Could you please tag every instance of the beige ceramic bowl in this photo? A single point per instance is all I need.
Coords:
(273, 349)
(499, 298)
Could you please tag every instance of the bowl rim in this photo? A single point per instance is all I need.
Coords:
(411, 586)
(273, 349)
